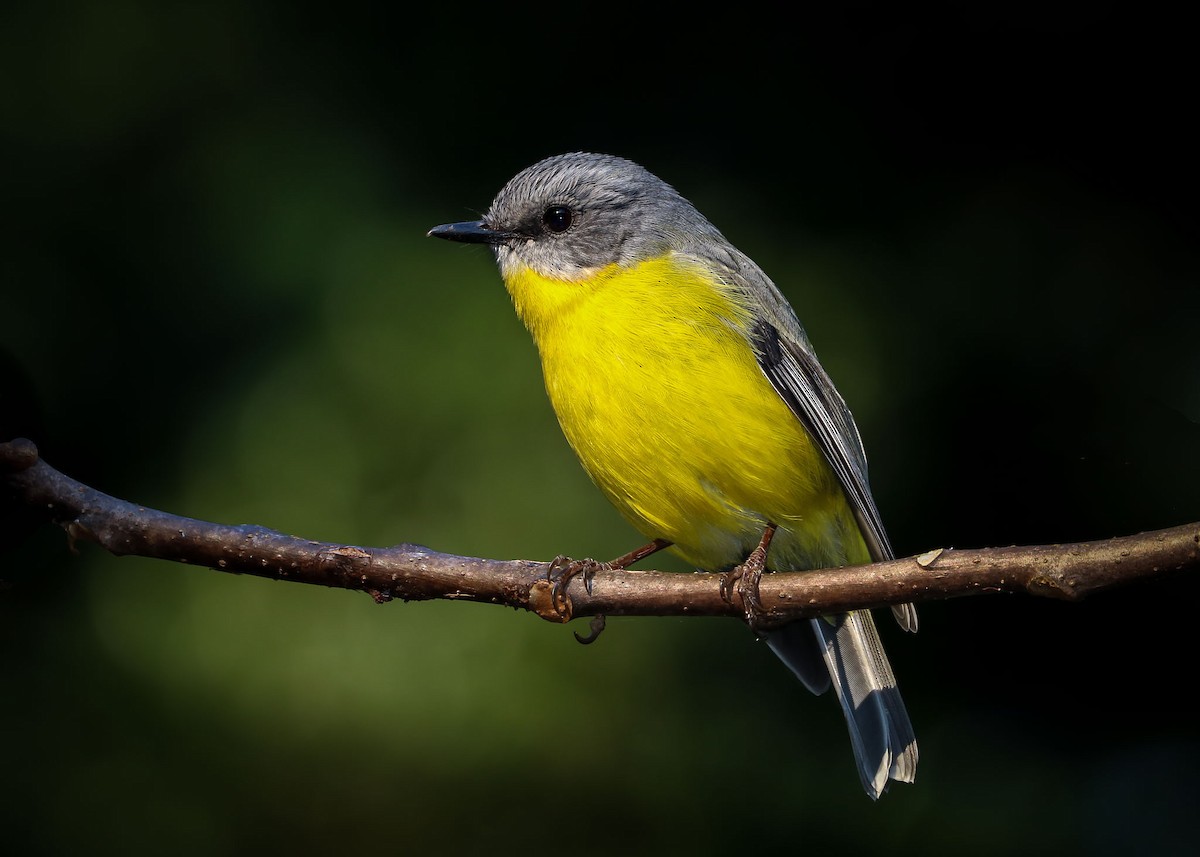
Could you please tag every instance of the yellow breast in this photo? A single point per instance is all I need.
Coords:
(659, 393)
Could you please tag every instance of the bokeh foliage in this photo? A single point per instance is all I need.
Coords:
(218, 300)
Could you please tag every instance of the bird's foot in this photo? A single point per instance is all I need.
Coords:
(563, 570)
(744, 579)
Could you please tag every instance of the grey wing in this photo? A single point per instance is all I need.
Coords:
(801, 381)
(789, 362)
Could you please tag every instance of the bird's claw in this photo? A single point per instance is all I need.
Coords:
(563, 570)
(596, 625)
(744, 579)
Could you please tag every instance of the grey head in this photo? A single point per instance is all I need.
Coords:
(568, 215)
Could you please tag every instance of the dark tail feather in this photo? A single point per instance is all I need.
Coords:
(880, 732)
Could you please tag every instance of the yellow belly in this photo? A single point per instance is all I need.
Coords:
(659, 394)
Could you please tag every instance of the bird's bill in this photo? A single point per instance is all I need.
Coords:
(470, 232)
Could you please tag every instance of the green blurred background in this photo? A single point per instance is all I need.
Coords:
(218, 300)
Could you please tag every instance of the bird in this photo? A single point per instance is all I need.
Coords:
(690, 393)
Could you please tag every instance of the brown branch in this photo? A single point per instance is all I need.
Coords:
(412, 572)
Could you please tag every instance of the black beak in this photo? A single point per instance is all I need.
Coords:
(472, 232)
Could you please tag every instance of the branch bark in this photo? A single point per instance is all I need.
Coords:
(413, 573)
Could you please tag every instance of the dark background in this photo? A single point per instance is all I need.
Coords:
(218, 300)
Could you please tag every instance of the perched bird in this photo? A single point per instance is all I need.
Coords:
(691, 395)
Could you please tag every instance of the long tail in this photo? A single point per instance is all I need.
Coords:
(885, 747)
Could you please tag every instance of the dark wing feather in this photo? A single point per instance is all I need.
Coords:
(803, 384)
(789, 362)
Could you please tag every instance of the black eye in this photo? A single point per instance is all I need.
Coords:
(557, 218)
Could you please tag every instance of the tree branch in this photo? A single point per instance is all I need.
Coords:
(414, 573)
